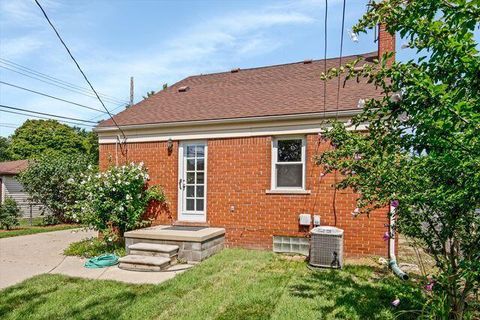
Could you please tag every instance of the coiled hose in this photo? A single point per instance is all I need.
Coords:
(103, 261)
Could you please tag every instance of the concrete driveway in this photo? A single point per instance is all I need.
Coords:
(26, 256)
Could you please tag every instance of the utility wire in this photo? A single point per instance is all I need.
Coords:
(46, 118)
(112, 110)
(46, 114)
(325, 59)
(49, 96)
(65, 87)
(79, 68)
(340, 58)
(63, 82)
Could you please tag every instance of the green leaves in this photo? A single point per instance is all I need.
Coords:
(48, 180)
(37, 137)
(115, 201)
(9, 213)
(422, 149)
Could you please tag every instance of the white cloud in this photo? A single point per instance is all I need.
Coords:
(16, 48)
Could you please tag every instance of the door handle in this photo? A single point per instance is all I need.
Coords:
(180, 184)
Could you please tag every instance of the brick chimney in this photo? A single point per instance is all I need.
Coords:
(386, 43)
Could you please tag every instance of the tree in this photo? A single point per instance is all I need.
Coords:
(422, 148)
(4, 142)
(36, 137)
(48, 180)
(9, 213)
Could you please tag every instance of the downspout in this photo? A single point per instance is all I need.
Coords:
(392, 262)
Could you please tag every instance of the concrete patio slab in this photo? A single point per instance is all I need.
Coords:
(26, 256)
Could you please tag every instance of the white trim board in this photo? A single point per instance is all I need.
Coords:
(269, 128)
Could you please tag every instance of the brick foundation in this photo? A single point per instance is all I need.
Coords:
(238, 175)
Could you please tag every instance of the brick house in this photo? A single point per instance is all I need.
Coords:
(235, 150)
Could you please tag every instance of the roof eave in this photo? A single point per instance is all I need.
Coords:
(320, 115)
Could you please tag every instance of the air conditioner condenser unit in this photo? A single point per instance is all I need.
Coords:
(326, 247)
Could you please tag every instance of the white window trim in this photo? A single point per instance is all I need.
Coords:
(274, 157)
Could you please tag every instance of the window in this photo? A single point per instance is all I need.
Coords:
(288, 163)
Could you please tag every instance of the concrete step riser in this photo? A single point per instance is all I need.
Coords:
(141, 267)
(152, 253)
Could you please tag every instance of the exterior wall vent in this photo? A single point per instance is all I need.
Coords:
(235, 70)
(183, 89)
(326, 247)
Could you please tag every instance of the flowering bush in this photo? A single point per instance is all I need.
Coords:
(114, 201)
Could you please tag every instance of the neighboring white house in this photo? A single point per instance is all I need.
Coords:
(11, 187)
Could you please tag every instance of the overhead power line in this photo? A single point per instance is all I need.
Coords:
(325, 59)
(65, 87)
(46, 118)
(79, 68)
(340, 58)
(50, 96)
(46, 114)
(54, 79)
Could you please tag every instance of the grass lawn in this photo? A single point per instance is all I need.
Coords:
(234, 284)
(36, 227)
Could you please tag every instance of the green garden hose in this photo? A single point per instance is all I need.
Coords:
(102, 261)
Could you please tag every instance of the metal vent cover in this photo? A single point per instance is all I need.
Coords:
(326, 247)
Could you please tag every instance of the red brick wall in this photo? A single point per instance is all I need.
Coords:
(239, 173)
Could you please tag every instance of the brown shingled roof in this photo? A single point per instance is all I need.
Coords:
(294, 88)
(13, 167)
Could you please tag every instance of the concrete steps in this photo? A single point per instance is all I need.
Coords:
(149, 257)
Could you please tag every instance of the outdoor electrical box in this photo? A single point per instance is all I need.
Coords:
(305, 219)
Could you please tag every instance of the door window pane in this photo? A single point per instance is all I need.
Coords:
(190, 151)
(199, 204)
(190, 164)
(190, 204)
(289, 150)
(200, 151)
(200, 178)
(200, 164)
(200, 191)
(290, 175)
(190, 177)
(190, 191)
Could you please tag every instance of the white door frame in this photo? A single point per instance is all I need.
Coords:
(183, 215)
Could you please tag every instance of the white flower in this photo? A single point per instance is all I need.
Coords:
(353, 35)
(70, 180)
(361, 103)
(128, 197)
(396, 97)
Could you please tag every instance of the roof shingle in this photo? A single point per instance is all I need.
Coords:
(13, 167)
(294, 88)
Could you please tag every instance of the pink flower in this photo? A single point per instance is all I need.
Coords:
(395, 203)
(429, 286)
(386, 236)
(395, 303)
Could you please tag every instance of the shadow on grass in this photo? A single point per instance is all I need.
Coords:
(358, 292)
(58, 297)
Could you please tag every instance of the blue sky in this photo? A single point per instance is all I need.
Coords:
(157, 42)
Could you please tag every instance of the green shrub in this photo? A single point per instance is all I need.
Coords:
(114, 201)
(49, 181)
(9, 214)
(94, 247)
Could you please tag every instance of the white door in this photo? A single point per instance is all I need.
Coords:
(192, 181)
